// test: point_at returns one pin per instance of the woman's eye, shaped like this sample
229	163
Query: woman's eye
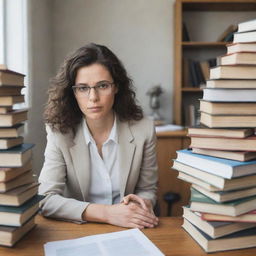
83	89
103	86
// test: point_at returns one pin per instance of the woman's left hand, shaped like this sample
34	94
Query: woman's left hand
144	203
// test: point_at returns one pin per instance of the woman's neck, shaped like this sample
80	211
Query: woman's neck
100	129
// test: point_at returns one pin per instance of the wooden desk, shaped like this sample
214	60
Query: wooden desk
169	237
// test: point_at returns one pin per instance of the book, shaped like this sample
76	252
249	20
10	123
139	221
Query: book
244	37
227	108
17	216
214	180
214	229
247	26
185	34
11	78
233	72
6	143
231	83
222	143
14	117
22	179
228	121
16	156
4	110
223	37
232	155
9	235
226	196
229	133
10	90
11	100
190	179
241	58
201	203
12	132
238	240
241	47
229	95
218	166
7	173
249	217
19	195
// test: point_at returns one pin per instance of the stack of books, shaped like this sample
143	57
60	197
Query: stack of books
19	201
222	163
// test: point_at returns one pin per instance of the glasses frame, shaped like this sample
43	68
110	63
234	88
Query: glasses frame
95	87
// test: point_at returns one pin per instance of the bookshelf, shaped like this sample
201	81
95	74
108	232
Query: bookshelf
201	46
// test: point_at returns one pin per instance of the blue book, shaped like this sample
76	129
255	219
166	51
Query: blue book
218	166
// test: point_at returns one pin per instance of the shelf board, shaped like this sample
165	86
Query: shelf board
204	44
191	89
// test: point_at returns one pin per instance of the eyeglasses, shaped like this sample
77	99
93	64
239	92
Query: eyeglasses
102	88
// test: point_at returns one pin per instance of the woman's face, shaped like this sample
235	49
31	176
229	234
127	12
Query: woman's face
96	104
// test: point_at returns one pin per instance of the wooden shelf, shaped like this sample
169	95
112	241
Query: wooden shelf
191	89
204	44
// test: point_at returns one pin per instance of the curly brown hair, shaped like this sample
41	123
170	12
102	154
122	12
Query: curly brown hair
62	112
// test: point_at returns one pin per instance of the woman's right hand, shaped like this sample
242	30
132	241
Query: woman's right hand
130	216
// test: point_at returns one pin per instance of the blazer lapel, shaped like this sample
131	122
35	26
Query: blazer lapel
80	156
126	151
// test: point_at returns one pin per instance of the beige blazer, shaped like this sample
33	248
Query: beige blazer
65	176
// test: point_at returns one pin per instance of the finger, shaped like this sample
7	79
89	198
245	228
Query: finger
138	200
142	222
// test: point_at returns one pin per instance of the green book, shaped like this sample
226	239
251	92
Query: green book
201	203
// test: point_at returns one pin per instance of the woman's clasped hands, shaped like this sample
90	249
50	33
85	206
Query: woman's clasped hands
132	212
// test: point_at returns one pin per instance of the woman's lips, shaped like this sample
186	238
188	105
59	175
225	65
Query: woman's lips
95	109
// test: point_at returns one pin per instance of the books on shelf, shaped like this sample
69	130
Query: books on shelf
214	229
11	100
202	203
218	166
12	132
227	108
211	132
233	72
247	26
19	195
232	83
4	110
11	235
11	78
215	182
17	216
241	47
233	155
6	143
249	217
227	34
16	156
240	58
228	121
222	143
229	95
245	37
238	240
13	118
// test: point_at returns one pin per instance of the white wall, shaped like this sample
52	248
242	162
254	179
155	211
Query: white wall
139	32
40	68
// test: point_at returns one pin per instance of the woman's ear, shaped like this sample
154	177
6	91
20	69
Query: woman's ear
116	89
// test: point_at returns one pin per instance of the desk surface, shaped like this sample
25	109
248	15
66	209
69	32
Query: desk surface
169	237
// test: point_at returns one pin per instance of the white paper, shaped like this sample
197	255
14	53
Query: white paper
168	127
130	242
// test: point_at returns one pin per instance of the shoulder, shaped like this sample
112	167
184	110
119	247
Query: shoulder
143	128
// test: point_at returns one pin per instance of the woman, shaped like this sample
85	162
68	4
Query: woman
100	161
